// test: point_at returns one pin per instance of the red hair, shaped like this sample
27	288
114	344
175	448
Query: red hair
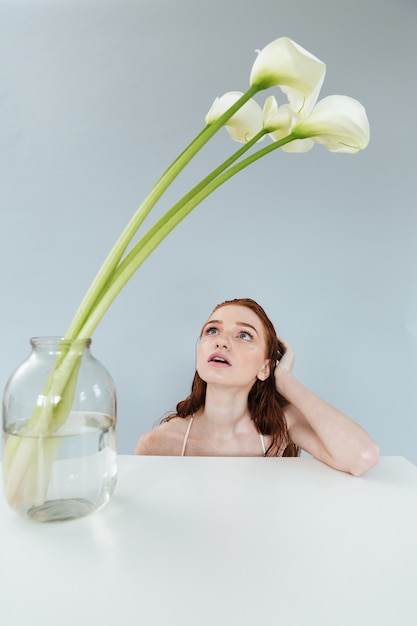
265	404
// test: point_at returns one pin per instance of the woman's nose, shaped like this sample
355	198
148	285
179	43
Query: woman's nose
222	342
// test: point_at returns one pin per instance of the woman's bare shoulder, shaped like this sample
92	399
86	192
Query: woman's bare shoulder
163	440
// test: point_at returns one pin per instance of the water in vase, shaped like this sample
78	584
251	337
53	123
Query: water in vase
67	475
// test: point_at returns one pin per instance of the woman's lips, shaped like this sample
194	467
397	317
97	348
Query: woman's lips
219	360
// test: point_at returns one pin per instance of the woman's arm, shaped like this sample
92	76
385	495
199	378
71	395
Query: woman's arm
319	428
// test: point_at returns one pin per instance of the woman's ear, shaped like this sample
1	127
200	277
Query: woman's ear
264	371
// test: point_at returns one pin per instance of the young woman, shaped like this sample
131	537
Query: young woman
245	401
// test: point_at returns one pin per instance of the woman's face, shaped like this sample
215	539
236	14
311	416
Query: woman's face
232	348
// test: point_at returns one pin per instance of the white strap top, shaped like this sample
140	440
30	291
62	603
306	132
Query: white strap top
184	445
187	432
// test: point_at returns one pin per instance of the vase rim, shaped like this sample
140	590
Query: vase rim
56	339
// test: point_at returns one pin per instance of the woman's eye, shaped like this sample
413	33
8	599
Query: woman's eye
245	335
211	330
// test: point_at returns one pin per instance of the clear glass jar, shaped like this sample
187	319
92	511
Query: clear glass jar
59	432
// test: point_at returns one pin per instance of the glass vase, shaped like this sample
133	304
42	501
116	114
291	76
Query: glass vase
59	432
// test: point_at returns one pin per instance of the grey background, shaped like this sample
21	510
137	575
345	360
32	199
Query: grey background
97	98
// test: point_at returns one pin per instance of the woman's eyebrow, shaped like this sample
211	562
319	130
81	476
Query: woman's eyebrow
213	322
247	325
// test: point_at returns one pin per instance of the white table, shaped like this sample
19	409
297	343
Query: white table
222	541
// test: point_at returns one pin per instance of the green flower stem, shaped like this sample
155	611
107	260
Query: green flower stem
28	462
98	285
169	221
26	477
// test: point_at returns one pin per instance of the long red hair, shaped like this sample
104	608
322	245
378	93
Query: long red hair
265	404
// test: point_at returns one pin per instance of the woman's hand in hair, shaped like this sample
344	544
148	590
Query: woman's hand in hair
285	364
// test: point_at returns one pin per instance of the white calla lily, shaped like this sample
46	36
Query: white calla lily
244	124
339	123
278	121
298	145
296	71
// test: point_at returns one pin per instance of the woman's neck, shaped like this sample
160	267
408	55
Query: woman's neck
225	411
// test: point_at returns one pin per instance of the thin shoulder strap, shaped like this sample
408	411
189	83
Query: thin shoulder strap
184	445
263	443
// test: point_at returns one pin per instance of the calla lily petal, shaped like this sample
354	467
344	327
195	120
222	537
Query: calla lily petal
338	122
244	124
298	145
278	121
298	73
